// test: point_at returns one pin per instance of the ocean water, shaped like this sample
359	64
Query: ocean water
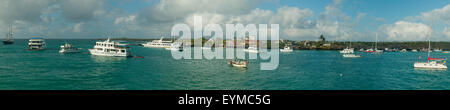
21	69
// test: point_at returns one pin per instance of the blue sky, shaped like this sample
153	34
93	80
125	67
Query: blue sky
341	20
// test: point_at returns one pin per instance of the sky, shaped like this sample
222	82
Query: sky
337	20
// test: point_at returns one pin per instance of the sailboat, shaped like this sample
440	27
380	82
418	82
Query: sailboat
432	63
9	35
376	42
347	50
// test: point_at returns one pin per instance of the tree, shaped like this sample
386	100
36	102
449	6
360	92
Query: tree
322	38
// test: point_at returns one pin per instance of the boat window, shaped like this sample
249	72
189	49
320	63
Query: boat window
123	51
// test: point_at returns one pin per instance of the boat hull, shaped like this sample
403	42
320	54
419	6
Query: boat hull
153	46
251	51
101	53
284	50
6	42
427	65
69	51
240	66
351	56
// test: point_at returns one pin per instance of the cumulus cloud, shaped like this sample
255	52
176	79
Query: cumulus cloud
24	10
81	10
442	14
296	23
131	19
169	10
77	27
446	31
407	31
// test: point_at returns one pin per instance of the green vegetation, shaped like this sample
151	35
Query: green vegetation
337	45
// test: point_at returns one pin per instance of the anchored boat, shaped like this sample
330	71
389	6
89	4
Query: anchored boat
69	48
110	48
9	39
158	43
238	63
433	63
286	49
36	44
177	46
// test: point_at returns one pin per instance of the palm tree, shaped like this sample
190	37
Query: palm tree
322	38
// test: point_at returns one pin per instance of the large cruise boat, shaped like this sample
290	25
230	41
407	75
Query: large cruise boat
36	44
110	48
158	44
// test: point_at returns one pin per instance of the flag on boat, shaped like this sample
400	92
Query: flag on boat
429	58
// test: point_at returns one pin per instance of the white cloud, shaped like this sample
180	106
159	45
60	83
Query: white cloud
406	31
81	10
446	31
437	15
77	27
131	19
169	10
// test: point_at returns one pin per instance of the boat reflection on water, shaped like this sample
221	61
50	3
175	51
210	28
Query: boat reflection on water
107	59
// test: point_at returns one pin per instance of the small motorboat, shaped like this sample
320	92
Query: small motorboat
238	63
69	48
286	49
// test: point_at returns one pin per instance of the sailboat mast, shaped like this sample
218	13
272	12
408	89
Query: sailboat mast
376	41
429	44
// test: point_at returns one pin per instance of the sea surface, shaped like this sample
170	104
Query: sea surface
21	69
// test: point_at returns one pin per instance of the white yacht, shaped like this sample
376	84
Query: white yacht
238	63
158	44
414	50
437	50
251	50
403	50
433	63
69	48
362	50
177	46
36	44
208	45
347	50
109	48
286	49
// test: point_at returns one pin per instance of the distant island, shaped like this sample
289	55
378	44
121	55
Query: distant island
322	44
